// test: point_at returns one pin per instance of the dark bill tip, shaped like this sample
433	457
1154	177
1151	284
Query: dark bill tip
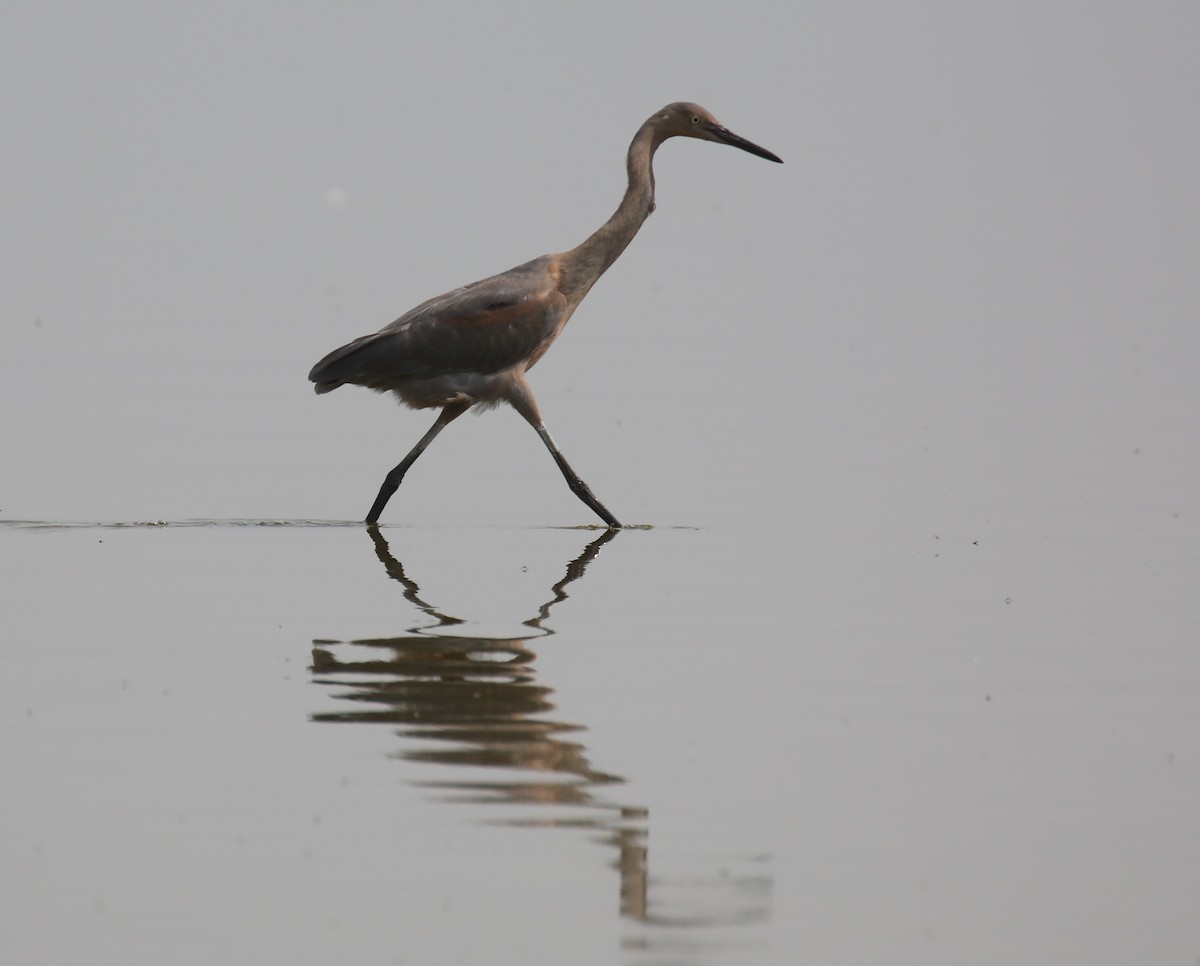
728	137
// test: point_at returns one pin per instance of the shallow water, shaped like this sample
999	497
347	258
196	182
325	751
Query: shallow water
295	740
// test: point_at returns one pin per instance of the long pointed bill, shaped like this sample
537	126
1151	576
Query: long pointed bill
725	136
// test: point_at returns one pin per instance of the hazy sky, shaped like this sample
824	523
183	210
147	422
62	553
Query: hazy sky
988	225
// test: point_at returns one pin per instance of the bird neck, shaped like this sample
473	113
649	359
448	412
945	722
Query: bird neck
587	262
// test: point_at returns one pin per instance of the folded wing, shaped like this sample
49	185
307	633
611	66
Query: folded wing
485	327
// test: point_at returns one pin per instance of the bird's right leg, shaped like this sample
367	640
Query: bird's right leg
391	482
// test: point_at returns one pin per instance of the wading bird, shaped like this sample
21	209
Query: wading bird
472	346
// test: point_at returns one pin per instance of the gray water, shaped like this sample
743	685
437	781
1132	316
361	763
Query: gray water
898	661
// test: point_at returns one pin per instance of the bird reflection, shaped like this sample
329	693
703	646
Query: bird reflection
475	701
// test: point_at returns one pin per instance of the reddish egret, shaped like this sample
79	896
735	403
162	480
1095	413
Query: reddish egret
473	346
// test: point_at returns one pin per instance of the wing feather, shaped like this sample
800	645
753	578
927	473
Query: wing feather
486	327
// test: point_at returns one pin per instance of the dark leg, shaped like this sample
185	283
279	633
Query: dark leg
391	482
578	487
520	397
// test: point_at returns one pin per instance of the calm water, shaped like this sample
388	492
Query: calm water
299	741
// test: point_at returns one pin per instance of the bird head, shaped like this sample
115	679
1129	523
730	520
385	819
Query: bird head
684	119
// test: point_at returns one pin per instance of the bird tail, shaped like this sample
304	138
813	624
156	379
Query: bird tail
349	364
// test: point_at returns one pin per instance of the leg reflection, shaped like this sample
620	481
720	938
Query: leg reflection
476	697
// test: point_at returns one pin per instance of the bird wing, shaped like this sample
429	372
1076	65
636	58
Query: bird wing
485	327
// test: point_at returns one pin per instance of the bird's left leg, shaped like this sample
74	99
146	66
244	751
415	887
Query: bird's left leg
391	482
578	487
521	399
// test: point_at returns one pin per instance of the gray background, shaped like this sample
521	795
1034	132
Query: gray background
914	417
981	247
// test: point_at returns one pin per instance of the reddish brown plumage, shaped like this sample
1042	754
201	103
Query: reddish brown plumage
473	345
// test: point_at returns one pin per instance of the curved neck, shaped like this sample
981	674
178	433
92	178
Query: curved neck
584	264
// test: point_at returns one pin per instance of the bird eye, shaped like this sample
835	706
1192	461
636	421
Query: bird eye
695	120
